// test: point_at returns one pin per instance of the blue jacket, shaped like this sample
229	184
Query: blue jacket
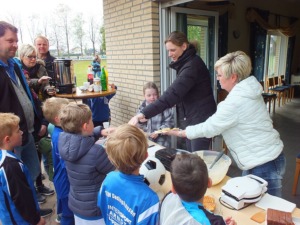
100	107
18	204
126	199
96	66
60	177
87	165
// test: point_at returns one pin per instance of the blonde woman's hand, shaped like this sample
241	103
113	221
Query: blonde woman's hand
177	133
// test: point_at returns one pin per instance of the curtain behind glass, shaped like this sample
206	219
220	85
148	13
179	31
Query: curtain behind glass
289	57
258	46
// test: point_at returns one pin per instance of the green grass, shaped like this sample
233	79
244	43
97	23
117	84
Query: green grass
80	70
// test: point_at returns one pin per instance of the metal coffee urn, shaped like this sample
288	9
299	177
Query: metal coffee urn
64	72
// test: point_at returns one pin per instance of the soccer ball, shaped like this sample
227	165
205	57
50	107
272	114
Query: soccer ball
154	173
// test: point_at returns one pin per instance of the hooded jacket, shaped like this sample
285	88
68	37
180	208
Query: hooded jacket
191	91
87	165
245	124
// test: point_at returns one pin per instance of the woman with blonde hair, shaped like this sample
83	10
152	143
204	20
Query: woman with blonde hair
39	79
244	122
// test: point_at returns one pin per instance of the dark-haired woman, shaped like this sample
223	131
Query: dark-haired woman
191	91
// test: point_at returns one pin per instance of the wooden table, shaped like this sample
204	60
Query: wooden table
83	95
242	217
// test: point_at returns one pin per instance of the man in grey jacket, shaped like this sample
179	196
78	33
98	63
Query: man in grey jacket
15	97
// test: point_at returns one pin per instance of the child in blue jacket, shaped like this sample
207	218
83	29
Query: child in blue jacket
18	203
124	197
100	108
51	109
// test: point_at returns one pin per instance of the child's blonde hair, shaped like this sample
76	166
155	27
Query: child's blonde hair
127	148
52	106
9	122
73	116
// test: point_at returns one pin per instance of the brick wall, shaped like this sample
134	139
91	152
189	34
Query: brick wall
132	49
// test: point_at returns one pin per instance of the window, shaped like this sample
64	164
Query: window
276	54
197	32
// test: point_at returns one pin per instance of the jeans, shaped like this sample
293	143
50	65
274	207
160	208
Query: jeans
28	154
272	172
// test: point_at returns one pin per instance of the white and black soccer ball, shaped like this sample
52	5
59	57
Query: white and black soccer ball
154	173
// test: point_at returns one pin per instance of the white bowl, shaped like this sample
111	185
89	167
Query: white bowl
219	170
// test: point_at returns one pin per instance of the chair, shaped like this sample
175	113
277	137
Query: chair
269	97
280	91
291	88
279	82
296	176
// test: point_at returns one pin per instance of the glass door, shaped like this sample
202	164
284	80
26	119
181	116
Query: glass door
201	28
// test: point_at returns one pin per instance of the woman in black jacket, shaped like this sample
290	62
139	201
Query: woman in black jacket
191	91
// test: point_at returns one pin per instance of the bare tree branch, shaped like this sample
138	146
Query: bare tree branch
63	13
78	27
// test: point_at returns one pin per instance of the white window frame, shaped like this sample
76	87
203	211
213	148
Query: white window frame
283	54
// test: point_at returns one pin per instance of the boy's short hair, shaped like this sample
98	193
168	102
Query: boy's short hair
73	116
189	176
9	122
52	106
127	148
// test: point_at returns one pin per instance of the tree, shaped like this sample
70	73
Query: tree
103	41
78	24
93	27
33	26
45	25
56	35
16	20
63	14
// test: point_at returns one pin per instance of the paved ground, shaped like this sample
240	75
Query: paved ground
50	203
